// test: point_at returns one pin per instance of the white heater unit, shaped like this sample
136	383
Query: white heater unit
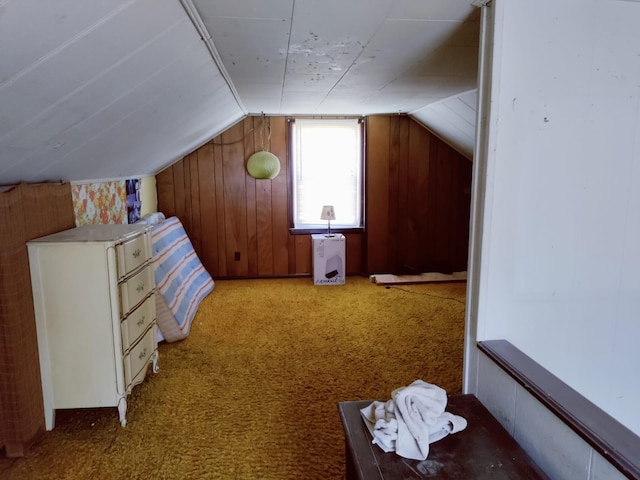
328	259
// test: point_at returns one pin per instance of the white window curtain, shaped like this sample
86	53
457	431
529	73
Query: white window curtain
327	170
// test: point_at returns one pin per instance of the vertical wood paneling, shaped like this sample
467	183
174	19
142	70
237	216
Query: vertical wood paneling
420	151
250	185
432	204
376	193
220	206
264	221
353	252
443	214
423	227
26	212
417	193
279	199
396	216
178	190
195	234
464	205
406	235
166	197
186	178
302	253
265	228
461	186
235	225
208	211
454	206
417	166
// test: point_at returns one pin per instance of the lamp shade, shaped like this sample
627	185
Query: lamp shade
328	213
263	165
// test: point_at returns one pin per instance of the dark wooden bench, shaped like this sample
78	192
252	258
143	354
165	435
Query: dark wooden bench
484	450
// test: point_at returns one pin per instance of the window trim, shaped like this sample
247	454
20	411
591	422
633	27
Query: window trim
343	230
290	174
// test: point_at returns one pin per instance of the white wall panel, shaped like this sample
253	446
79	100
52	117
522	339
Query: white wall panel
443	11
498	392
555	448
454	120
551	443
87	87
561	223
129	88
600	469
31	31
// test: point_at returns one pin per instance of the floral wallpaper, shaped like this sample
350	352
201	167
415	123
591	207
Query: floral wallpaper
104	202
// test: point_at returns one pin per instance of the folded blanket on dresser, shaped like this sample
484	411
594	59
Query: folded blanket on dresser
181	279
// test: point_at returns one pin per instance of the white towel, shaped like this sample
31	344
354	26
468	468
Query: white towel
381	421
414	418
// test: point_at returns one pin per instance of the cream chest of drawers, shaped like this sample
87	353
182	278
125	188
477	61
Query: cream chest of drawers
93	292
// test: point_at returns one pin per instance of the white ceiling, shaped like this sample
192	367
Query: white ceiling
121	88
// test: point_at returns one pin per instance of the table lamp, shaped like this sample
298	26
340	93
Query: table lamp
328	213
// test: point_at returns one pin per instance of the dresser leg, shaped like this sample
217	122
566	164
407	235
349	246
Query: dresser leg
122	409
154	360
50	418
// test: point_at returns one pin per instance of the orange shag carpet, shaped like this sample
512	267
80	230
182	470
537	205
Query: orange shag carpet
252	393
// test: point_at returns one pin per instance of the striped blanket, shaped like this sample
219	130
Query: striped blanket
180	278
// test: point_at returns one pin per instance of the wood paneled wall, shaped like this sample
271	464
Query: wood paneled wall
417	197
228	214
27	211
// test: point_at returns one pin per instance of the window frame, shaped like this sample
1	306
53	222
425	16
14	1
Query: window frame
292	183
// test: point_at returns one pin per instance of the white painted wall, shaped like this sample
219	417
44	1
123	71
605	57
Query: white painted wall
559	272
148	196
453	119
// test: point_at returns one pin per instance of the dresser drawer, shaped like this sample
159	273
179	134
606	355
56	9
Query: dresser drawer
135	288
131	254
138	359
137	322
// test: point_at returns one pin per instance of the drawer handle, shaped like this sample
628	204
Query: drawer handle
143	354
141	321
140	288
136	253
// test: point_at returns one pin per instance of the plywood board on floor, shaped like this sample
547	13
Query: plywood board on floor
387	278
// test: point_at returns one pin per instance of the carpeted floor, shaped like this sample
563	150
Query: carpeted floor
252	392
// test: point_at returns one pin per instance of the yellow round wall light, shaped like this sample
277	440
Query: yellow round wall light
263	165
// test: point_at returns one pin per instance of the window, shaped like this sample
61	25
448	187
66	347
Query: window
326	170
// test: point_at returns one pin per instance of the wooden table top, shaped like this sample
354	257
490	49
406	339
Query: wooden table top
484	450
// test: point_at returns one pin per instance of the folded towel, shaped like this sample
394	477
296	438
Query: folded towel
381	419
414	418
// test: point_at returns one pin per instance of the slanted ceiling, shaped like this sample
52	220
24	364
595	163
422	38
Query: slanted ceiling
122	88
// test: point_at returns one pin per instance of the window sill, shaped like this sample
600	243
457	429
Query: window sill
309	231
